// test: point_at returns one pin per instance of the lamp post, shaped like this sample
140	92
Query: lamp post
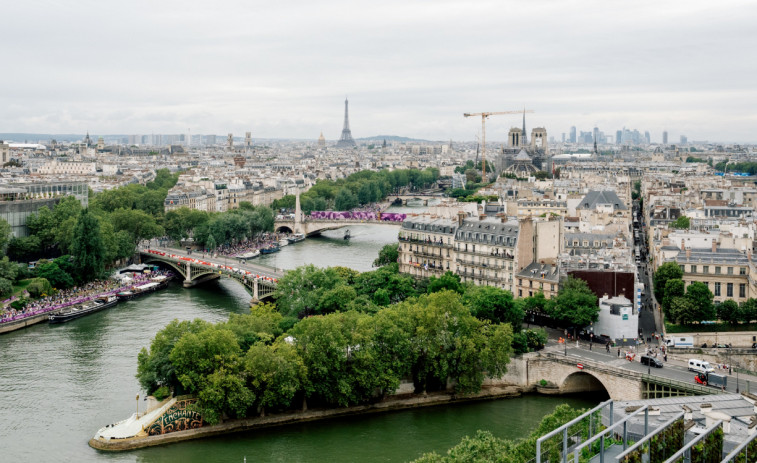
137	406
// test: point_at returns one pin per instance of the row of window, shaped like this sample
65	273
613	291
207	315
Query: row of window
718	269
717	289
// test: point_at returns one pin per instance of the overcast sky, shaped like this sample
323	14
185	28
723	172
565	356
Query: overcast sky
283	68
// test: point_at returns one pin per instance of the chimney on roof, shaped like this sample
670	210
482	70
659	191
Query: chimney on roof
482	217
460	218
714	245
688	253
683	244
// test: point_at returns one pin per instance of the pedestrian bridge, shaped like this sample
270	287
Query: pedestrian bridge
260	285
568	374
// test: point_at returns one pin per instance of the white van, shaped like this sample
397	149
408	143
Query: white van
700	366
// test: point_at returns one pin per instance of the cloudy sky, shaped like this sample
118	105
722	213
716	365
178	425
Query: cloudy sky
283	68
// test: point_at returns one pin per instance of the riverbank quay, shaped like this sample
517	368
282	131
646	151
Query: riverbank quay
23	320
395	403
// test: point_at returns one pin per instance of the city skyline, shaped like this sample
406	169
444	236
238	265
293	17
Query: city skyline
408	69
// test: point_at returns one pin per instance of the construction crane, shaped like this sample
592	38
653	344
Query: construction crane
483	133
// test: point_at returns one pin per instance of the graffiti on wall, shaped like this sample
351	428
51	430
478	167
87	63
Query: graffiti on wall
178	417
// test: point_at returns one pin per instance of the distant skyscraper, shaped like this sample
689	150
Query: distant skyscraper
618	137
346	141
210	140
563	137
573	134
647	137
596	134
665	137
684	140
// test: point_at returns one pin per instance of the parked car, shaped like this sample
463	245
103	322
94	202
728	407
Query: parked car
651	361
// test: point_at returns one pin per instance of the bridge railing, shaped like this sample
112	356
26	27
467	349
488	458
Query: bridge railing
213	267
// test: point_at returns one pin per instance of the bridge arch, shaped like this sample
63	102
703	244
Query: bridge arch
166	264
284	229
581	381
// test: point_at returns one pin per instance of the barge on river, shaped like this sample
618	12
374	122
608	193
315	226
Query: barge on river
85	308
155	283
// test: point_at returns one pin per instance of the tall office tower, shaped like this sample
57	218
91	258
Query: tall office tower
189	138
248	140
230	141
684	139
618	137
647	137
563	137
346	140
665	137
573	134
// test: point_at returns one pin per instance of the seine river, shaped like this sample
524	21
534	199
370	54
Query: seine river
60	383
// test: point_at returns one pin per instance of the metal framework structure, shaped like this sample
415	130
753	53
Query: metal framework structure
346	140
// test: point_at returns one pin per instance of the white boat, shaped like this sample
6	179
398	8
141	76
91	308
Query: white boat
296	238
249	255
283	242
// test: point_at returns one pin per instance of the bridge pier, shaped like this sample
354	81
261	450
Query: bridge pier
201	279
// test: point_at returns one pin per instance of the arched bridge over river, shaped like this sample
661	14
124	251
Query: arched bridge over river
570	374
258	281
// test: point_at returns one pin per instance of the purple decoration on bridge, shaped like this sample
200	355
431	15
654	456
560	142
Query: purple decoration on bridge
357	215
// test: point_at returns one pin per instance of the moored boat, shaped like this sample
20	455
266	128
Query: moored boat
270	249
296	238
85	308
155	283
249	255
347	234
283	242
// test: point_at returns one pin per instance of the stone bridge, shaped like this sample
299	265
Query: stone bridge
259	285
424	197
565	376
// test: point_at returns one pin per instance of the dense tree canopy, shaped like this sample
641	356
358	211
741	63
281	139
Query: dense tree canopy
575	304
666	271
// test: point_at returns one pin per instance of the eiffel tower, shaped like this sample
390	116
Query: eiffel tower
346	140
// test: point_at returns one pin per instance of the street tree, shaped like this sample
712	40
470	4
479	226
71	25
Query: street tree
666	271
728	311
673	288
575	304
387	255
448	280
494	304
701	297
88	250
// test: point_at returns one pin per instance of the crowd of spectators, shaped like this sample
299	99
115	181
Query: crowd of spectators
66	297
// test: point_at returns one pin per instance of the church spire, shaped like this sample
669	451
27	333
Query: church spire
524	139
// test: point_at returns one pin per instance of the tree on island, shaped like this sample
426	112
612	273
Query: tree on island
387	255
88	250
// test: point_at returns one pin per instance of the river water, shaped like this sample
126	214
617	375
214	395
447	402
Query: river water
60	383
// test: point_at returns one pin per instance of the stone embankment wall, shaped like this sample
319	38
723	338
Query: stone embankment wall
741	358
737	339
488	392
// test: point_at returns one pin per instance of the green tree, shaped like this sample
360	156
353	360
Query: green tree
276	374
8	270
39	287
494	304
88	249
24	248
262	324
345	200
728	311
336	299
574	304
6	288
299	291
52	272
138	223
535	303
748	310
388	254
673	288
154	366
448	280
5	235
197	355
398	286
682	310
681	222
666	271
701	297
